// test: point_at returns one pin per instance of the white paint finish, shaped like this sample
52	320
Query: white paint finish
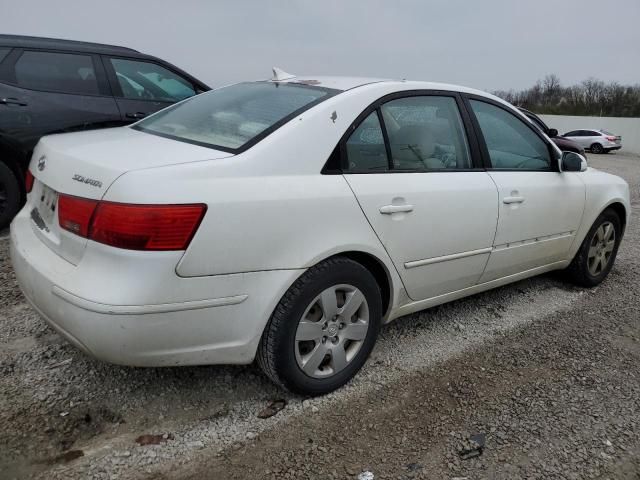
274	222
453	213
145	309
217	334
552	204
628	128
270	216
446	258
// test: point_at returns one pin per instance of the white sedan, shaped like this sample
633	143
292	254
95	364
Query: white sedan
287	220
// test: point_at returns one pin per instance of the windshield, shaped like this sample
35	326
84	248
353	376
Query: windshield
236	117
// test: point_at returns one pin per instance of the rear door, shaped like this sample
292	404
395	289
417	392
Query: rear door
410	165
46	92
143	87
540	206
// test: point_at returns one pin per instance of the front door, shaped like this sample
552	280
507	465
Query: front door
540	206
433	211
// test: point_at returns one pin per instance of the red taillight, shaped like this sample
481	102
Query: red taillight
611	138
28	181
74	214
134	227
146	227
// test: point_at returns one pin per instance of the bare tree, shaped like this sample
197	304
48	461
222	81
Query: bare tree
590	97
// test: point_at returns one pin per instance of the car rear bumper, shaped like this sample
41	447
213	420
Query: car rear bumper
172	324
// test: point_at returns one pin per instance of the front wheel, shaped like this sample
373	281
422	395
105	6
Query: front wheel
597	148
324	328
596	255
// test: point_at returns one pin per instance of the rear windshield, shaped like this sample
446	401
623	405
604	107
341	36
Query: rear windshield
236	117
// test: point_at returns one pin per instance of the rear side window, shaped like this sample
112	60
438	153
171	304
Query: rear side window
57	72
235	117
512	145
365	147
3	53
425	133
149	81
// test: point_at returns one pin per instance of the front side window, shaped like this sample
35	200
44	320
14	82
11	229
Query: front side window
140	80
511	143
425	133
365	147
57	72
574	133
233	117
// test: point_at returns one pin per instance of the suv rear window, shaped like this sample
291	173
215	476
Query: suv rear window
234	118
57	72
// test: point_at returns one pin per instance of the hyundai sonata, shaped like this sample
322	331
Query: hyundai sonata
287	220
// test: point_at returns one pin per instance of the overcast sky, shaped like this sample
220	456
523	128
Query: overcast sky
489	44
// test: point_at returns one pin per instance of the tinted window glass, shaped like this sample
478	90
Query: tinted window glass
365	147
425	133
3	53
232	116
574	133
58	72
511	143
591	133
148	81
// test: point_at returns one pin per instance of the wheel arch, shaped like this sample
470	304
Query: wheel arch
378	269
8	157
621	210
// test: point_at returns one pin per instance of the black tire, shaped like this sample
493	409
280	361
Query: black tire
276	352
578	271
597	148
10	196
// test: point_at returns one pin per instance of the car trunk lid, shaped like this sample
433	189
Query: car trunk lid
85	165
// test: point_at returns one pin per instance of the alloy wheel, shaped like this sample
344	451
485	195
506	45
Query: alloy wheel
331	331
601	248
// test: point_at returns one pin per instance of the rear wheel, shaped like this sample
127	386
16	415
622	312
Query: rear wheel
597	148
9	195
323	329
596	255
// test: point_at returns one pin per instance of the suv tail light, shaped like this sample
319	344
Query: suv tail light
611	138
133	227
28	181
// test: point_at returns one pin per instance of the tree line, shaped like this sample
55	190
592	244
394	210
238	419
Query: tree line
591	97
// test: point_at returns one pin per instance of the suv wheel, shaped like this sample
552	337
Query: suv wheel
324	328
9	195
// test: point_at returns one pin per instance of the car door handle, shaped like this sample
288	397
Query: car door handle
136	115
514	199
389	209
12	101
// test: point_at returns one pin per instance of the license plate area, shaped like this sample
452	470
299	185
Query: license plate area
47	205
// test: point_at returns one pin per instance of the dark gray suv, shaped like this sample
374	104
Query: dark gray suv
54	86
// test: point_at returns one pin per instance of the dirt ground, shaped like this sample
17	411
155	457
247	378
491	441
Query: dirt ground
546	376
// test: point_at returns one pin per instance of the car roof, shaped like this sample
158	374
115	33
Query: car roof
348	83
24	41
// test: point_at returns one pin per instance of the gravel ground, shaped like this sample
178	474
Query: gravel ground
548	373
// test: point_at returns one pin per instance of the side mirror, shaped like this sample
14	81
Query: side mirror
573	162
552	132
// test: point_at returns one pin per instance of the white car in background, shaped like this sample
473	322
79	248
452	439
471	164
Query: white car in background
289	219
597	141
